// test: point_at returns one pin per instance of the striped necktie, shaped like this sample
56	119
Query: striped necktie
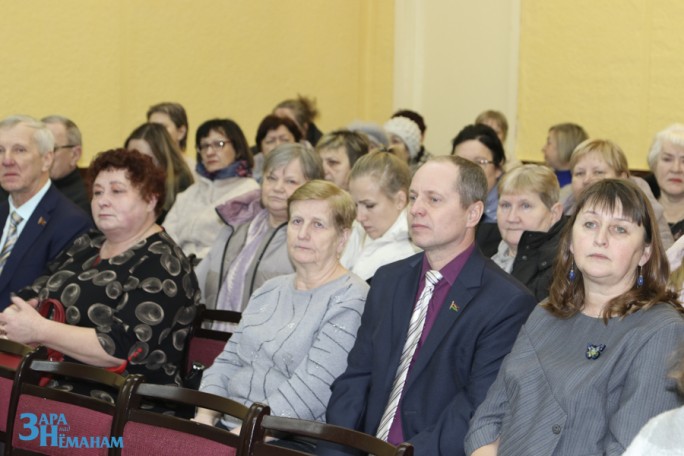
415	330
15	220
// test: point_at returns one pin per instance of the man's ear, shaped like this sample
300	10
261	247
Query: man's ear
76	153
47	158
474	214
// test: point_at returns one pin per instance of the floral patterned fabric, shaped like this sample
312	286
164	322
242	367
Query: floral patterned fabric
141	303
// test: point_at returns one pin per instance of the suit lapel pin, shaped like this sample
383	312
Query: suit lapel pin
454	307
42	221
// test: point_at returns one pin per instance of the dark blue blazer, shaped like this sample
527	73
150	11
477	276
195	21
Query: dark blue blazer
456	365
52	226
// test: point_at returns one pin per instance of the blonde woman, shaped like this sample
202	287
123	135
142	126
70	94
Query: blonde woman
379	186
597	159
530	220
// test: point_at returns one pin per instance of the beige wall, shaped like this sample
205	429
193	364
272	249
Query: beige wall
454	59
104	63
616	67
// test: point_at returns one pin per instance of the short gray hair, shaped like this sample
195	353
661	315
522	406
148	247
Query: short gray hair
72	131
42	135
673	134
471	184
311	163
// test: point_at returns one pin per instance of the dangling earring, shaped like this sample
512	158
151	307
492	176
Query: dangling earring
571	274
640	278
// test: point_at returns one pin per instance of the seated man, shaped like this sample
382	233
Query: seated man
64	172
38	220
436	325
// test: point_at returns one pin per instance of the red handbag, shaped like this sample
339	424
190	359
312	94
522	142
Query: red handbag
53	310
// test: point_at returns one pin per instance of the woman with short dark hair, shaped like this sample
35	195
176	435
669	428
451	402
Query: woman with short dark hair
224	169
128	290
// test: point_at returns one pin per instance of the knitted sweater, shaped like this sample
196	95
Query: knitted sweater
289	346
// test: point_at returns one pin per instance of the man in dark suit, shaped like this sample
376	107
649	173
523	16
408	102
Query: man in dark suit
38	220
427	393
64	172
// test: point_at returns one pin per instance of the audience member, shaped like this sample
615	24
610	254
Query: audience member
423	155
560	142
530	220
418	374
589	367
379	186
64	172
173	117
496	120
272	132
303	111
597	159
479	144
374	133
404	138
293	339
224	165
666	160
38	220
339	150
251	248
153	140
128	290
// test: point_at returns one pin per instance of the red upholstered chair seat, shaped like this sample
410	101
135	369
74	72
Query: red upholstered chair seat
145	440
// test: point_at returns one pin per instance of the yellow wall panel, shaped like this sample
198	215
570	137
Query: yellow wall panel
104	63
615	67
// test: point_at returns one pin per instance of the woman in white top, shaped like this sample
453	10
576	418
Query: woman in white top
224	170
379	185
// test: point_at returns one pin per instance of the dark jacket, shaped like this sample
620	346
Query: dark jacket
533	264
455	366
72	187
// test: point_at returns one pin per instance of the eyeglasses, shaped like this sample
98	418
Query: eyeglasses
216	145
66	146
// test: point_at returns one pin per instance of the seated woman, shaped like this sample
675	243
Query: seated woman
589	368
479	144
251	249
596	159
666	160
224	165
303	112
154	140
560	142
530	220
272	132
423	155
293	339
405	138
339	150
129	292
379	186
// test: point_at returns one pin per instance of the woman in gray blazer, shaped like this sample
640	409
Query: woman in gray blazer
589	368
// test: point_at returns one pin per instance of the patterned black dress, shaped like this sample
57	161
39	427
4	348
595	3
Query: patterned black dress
140	303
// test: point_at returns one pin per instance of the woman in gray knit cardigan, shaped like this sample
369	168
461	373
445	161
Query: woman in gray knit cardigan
293	339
